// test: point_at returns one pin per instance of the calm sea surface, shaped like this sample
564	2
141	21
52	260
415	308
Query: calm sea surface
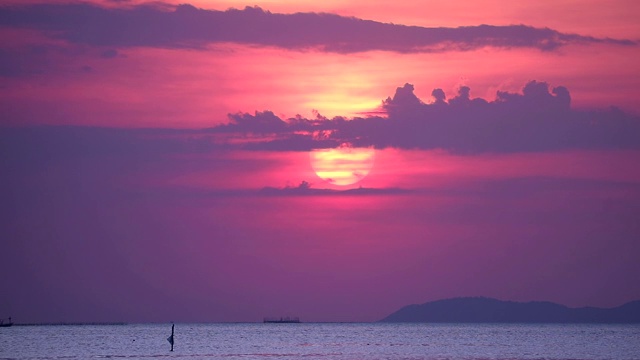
322	341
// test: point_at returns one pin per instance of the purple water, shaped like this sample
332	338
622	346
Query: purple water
323	341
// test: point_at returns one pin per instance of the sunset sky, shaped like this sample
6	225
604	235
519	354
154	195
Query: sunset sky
227	161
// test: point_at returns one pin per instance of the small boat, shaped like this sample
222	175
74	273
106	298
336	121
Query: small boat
4	323
282	320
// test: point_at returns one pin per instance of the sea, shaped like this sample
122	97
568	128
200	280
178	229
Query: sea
323	341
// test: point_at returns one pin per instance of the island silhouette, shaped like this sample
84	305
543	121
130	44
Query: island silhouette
488	310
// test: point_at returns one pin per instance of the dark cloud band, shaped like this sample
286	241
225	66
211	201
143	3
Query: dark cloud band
186	26
538	119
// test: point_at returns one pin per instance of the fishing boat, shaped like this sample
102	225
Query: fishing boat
5	322
282	320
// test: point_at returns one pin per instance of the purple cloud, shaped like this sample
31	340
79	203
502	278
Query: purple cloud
162	25
538	119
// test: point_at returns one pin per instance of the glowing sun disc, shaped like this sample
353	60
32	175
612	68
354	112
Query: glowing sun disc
342	166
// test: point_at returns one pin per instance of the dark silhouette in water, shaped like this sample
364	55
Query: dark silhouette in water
170	338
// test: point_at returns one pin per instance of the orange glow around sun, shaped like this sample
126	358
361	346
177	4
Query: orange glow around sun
342	166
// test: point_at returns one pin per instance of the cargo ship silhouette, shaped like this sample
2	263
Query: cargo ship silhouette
281	320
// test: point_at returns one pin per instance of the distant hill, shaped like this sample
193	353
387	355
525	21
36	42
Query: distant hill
487	310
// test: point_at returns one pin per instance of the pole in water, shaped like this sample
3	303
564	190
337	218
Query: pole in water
170	338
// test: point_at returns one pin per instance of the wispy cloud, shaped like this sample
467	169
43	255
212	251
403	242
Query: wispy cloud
161	25
306	189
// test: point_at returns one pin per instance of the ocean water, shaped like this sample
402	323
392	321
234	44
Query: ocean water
323	341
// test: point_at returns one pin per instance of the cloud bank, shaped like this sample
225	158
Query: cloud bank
538	119
161	25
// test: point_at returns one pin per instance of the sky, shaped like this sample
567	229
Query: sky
224	161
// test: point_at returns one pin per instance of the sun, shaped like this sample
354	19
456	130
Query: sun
342	166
